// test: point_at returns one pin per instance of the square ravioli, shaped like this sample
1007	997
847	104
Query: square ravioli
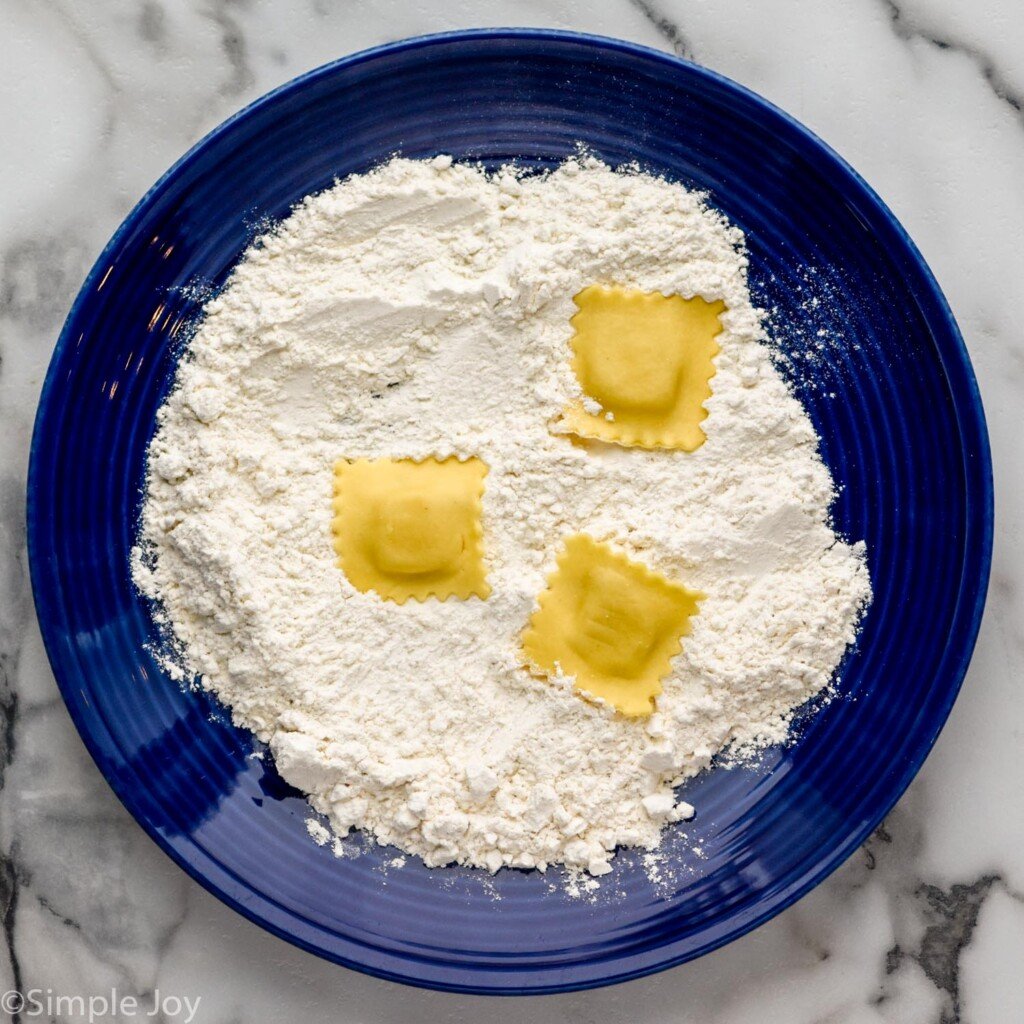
611	623
405	529
644	361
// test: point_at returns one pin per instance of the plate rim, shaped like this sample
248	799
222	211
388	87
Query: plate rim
42	566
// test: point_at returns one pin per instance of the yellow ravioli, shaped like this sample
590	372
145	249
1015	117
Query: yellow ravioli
410	529
611	623
647	360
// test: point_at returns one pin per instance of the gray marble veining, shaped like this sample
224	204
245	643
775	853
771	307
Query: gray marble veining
924	925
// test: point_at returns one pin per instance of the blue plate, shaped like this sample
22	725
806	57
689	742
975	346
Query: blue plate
891	393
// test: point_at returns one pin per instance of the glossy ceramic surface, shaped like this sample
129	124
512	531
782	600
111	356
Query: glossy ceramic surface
888	385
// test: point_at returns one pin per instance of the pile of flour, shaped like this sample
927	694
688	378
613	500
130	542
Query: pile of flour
423	309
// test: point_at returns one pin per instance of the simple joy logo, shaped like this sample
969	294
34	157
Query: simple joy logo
47	1004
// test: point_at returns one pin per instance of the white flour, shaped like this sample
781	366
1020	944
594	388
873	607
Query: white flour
422	310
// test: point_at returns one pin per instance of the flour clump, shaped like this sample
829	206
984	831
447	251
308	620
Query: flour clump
422	311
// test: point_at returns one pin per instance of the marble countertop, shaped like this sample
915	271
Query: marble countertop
925	925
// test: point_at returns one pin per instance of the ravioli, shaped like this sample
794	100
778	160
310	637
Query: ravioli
645	361
609	622
406	529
